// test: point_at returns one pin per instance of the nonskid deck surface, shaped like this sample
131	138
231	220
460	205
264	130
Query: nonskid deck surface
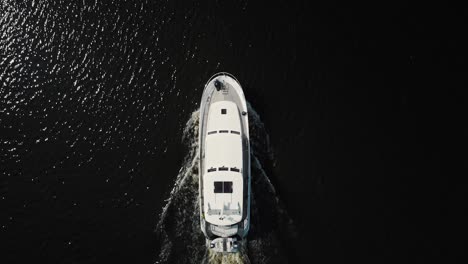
211	96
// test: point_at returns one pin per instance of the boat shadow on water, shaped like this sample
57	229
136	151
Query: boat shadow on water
272	231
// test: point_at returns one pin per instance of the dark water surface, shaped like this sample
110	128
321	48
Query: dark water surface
95	97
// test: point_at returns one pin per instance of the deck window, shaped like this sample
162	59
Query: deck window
235	169
212	132
227	187
223	168
223	187
218	187
235	132
211	169
224	131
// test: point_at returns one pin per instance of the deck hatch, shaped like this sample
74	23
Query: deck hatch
227	187
223	187
223	111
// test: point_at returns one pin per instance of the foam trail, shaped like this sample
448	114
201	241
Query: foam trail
178	231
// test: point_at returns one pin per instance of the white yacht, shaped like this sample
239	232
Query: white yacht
224	187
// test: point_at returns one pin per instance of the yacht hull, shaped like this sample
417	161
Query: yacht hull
224	167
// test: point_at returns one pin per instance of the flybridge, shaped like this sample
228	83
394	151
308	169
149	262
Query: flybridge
224	187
